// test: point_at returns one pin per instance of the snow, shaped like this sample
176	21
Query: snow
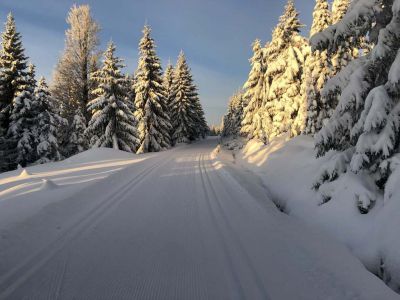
351	208
48	184
24	173
177	224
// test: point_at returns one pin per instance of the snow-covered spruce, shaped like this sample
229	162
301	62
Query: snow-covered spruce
317	70
233	119
129	91
13	66
186	112
112	123
366	120
344	52
150	104
13	75
48	124
285	56
168	78
202	127
22	132
253	95
76	141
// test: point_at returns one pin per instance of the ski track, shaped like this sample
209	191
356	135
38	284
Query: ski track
235	239
11	280
182	227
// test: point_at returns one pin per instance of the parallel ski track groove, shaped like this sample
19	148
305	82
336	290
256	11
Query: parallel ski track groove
225	248
14	278
235	237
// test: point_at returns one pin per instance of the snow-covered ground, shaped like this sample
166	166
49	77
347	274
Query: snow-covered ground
173	225
288	169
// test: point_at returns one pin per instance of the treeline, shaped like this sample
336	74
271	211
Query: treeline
341	86
92	103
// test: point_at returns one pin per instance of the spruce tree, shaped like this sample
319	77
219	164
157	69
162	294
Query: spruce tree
48	124
285	57
13	70
112	124
344	52
168	88
254	93
339	9
364	128
317	71
129	87
74	138
22	132
12	63
202	128
183	109
232	120
151	110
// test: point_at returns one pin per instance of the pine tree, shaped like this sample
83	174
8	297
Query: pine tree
71	83
285	57
22	132
48	125
364	128
253	93
112	124
233	119
150	104
317	71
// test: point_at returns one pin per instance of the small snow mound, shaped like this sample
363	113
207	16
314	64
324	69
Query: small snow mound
24	173
48	184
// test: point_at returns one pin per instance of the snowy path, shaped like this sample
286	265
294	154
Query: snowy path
173	225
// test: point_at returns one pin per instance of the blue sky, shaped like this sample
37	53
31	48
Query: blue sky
215	35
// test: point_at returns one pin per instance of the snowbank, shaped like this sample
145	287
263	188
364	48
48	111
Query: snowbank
23	192
289	169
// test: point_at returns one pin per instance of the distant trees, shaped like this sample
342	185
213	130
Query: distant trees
232	120
92	105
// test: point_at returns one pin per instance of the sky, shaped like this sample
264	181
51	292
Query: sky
216	35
